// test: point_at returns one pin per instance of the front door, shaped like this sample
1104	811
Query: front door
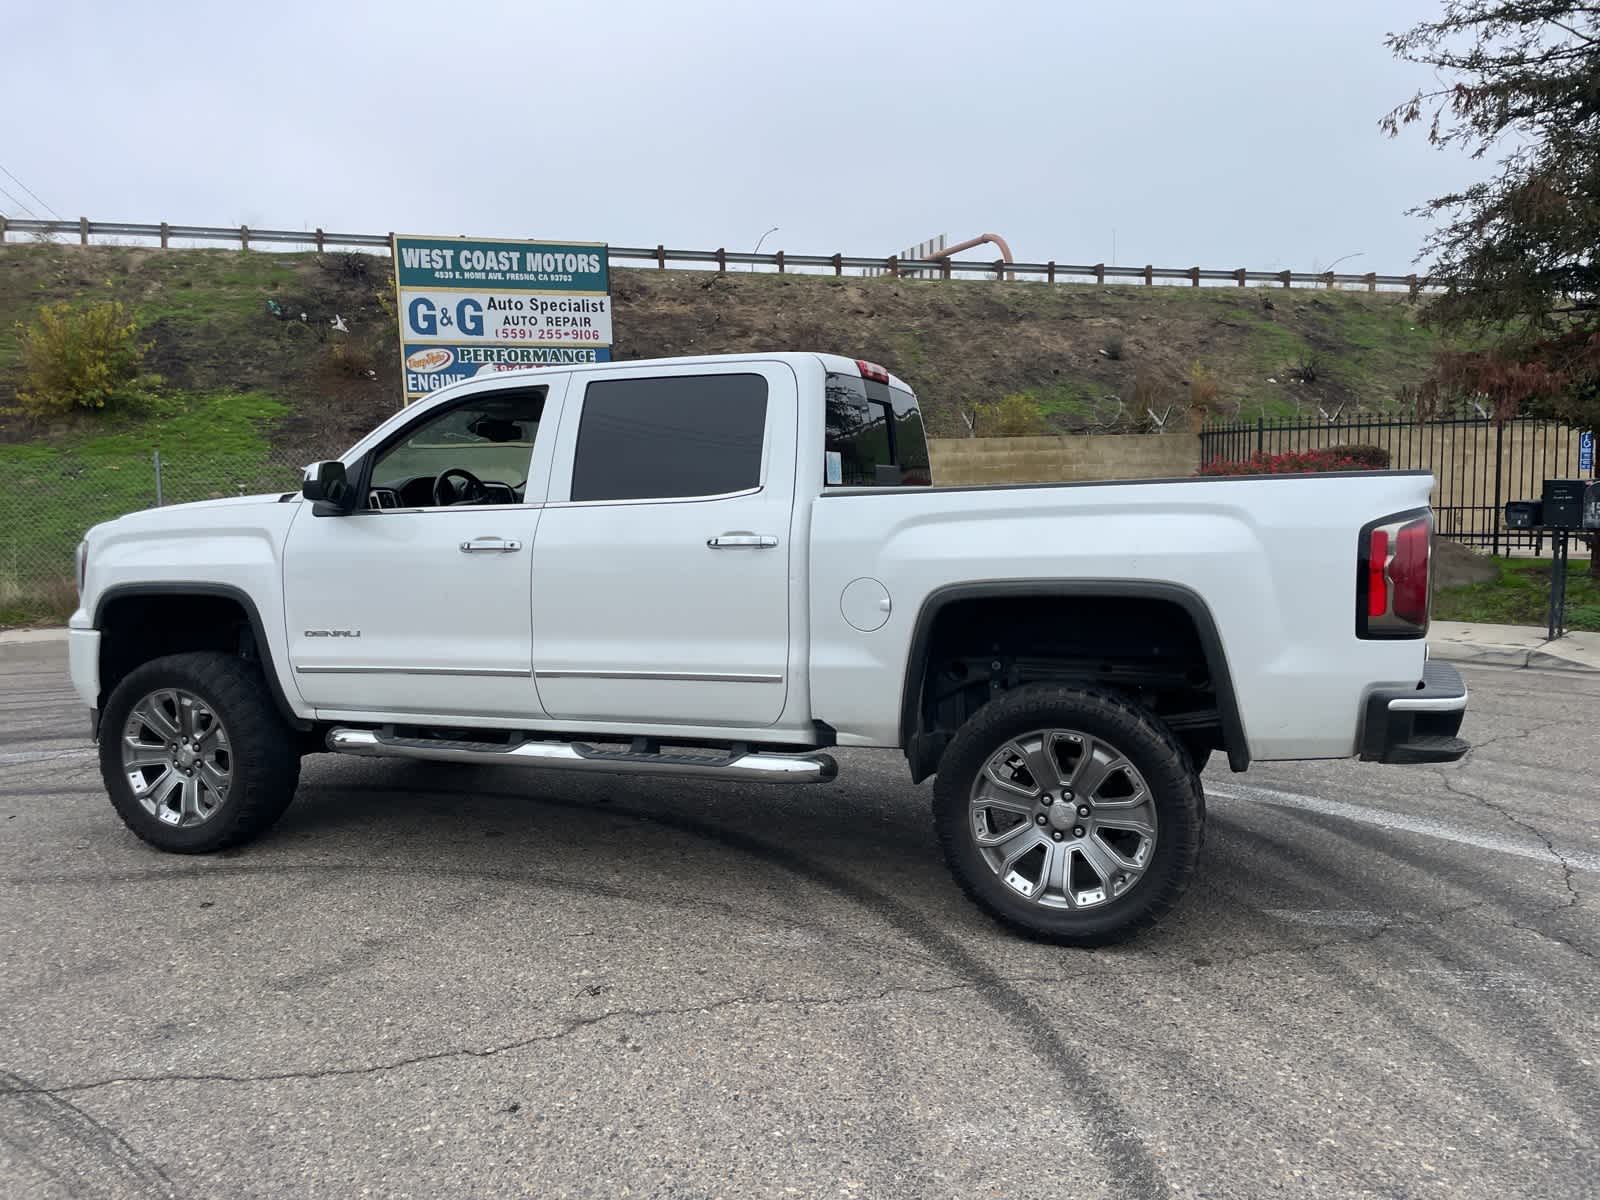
662	564
419	602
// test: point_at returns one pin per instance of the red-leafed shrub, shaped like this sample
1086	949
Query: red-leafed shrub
1375	457
1291	462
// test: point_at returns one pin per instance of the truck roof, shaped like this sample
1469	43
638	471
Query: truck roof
830	362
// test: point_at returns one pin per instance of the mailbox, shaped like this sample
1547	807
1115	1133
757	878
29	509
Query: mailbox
1563	503
1591	505
1524	514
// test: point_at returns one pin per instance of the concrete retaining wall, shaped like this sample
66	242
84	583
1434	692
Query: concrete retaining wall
1064	459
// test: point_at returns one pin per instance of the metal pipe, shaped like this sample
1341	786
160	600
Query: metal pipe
578	756
993	239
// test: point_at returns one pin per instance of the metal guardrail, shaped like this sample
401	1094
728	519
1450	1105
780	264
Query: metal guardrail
661	256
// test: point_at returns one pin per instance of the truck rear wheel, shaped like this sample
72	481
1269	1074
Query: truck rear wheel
194	755
1070	814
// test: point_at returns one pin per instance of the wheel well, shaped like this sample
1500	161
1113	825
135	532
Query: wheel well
137	626
1155	645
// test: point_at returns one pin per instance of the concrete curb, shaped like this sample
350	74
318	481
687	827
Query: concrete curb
25	637
1541	661
1489	655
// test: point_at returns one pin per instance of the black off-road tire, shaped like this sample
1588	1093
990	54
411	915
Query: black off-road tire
1145	742
265	751
1199	752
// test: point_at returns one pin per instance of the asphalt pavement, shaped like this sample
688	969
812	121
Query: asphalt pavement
439	981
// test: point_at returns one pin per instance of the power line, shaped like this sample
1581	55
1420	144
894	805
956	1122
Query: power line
30	192
18	203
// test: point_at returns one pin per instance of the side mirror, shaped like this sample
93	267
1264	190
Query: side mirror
327	485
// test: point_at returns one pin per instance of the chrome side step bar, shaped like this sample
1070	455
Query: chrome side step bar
760	767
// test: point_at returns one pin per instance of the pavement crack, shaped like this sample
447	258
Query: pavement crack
1568	876
1402	921
1517	735
566	1029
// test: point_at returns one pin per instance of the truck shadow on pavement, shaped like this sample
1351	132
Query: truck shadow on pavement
802	854
872	845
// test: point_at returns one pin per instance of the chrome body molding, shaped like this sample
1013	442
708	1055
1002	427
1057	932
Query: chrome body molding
353	669
690	676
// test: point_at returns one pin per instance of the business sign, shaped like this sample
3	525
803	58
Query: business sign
469	307
1586	451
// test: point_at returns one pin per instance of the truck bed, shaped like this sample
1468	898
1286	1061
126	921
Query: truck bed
1271	559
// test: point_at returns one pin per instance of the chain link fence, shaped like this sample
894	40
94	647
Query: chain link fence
50	496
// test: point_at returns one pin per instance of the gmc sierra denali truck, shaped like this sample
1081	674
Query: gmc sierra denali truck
723	566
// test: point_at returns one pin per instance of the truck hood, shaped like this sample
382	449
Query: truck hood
199	514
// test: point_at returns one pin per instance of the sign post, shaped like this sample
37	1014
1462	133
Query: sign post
470	307
1586	451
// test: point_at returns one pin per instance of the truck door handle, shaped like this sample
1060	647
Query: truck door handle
742	541
490	545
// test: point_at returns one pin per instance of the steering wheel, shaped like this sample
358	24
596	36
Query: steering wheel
470	490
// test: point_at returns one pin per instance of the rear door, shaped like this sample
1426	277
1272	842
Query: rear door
662	560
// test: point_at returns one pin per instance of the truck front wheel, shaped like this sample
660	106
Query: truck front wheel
194	755
1070	814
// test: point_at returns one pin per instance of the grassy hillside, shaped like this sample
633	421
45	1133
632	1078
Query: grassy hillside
257	380
228	322
206	316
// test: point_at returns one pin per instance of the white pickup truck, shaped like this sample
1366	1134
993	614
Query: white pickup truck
723	566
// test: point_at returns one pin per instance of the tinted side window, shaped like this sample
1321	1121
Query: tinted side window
910	439
695	435
876	432
857	430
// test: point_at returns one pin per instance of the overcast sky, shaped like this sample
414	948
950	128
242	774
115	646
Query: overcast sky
1220	133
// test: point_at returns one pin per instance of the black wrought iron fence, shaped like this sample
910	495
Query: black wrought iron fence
1478	464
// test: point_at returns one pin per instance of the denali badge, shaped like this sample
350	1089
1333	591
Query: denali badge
333	633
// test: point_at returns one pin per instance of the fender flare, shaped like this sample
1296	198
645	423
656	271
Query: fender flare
1233	734
221	591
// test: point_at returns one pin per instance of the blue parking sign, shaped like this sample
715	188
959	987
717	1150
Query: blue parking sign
1586	451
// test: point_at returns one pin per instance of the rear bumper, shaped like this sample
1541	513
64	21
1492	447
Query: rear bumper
1417	725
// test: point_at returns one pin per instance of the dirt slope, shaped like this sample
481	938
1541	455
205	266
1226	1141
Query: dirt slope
1089	357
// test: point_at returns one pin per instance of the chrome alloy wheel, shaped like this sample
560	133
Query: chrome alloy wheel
177	758
1063	819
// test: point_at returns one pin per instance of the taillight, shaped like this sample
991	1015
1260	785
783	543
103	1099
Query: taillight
872	371
1392	578
1378	573
1409	573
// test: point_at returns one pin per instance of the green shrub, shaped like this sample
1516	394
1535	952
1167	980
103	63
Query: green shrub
1148	391
1016	415
1205	389
86	356
349	359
